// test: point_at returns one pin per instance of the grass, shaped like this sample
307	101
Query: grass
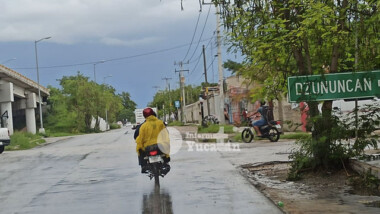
214	128
24	140
237	137
296	135
175	123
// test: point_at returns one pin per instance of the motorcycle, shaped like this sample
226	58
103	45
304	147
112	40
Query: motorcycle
271	131
156	164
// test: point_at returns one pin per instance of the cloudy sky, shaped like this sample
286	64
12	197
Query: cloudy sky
139	41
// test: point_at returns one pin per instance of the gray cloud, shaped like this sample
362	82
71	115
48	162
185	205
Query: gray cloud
109	22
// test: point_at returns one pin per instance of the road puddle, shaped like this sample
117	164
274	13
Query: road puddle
157	201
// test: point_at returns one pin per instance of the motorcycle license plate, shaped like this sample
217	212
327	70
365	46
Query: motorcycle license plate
278	126
154	159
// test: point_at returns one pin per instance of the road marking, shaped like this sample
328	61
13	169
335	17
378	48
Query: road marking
378	83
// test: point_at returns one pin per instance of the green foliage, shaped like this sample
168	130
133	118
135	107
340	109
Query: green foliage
79	101
129	107
176	123
300	37
232	66
115	126
303	37
24	140
334	146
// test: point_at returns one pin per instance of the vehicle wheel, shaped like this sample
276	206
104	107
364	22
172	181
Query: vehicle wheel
1	149
273	134
247	136
156	174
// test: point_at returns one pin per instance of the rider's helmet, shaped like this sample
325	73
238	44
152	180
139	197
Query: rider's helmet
148	112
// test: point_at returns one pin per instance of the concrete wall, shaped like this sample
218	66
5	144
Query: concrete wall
193	111
103	126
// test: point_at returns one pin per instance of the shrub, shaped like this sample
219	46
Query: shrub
331	147
115	126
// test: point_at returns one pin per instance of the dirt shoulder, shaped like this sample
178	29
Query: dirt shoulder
315	193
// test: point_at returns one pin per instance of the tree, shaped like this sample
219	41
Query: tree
128	108
74	107
281	38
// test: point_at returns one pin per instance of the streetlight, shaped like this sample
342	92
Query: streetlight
101	61
42	130
8	61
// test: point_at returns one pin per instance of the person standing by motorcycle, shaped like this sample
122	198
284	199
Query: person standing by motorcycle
152	131
263	120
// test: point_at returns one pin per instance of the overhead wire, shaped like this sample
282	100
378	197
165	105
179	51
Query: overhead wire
111	59
200	37
192	39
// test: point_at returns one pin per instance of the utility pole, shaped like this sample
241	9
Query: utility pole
170	98
205	69
182	85
220	67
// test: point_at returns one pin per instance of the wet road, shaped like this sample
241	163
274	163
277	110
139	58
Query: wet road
98	173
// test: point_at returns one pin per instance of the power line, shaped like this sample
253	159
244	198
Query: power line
200	37
192	39
199	57
112	59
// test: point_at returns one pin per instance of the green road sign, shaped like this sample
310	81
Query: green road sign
334	86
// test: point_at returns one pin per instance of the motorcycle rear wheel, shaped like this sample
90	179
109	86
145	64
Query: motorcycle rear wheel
156	174
273	134
247	135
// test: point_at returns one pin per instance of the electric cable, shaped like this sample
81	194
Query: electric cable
112	59
192	39
200	37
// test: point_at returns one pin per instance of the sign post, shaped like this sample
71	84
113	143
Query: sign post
351	85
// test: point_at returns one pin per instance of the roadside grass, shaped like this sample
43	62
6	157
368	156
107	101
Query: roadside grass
237	137
50	133
295	135
24	140
176	123
214	128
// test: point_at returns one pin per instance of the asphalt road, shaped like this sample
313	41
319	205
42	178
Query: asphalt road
99	173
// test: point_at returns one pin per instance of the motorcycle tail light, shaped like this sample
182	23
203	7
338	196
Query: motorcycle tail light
278	122
153	153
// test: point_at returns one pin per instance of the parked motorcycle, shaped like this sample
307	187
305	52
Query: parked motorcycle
271	131
156	165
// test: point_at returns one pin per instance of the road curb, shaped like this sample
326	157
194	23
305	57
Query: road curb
56	140
363	168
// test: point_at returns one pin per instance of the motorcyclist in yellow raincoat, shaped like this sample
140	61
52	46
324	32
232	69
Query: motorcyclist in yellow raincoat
152	131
